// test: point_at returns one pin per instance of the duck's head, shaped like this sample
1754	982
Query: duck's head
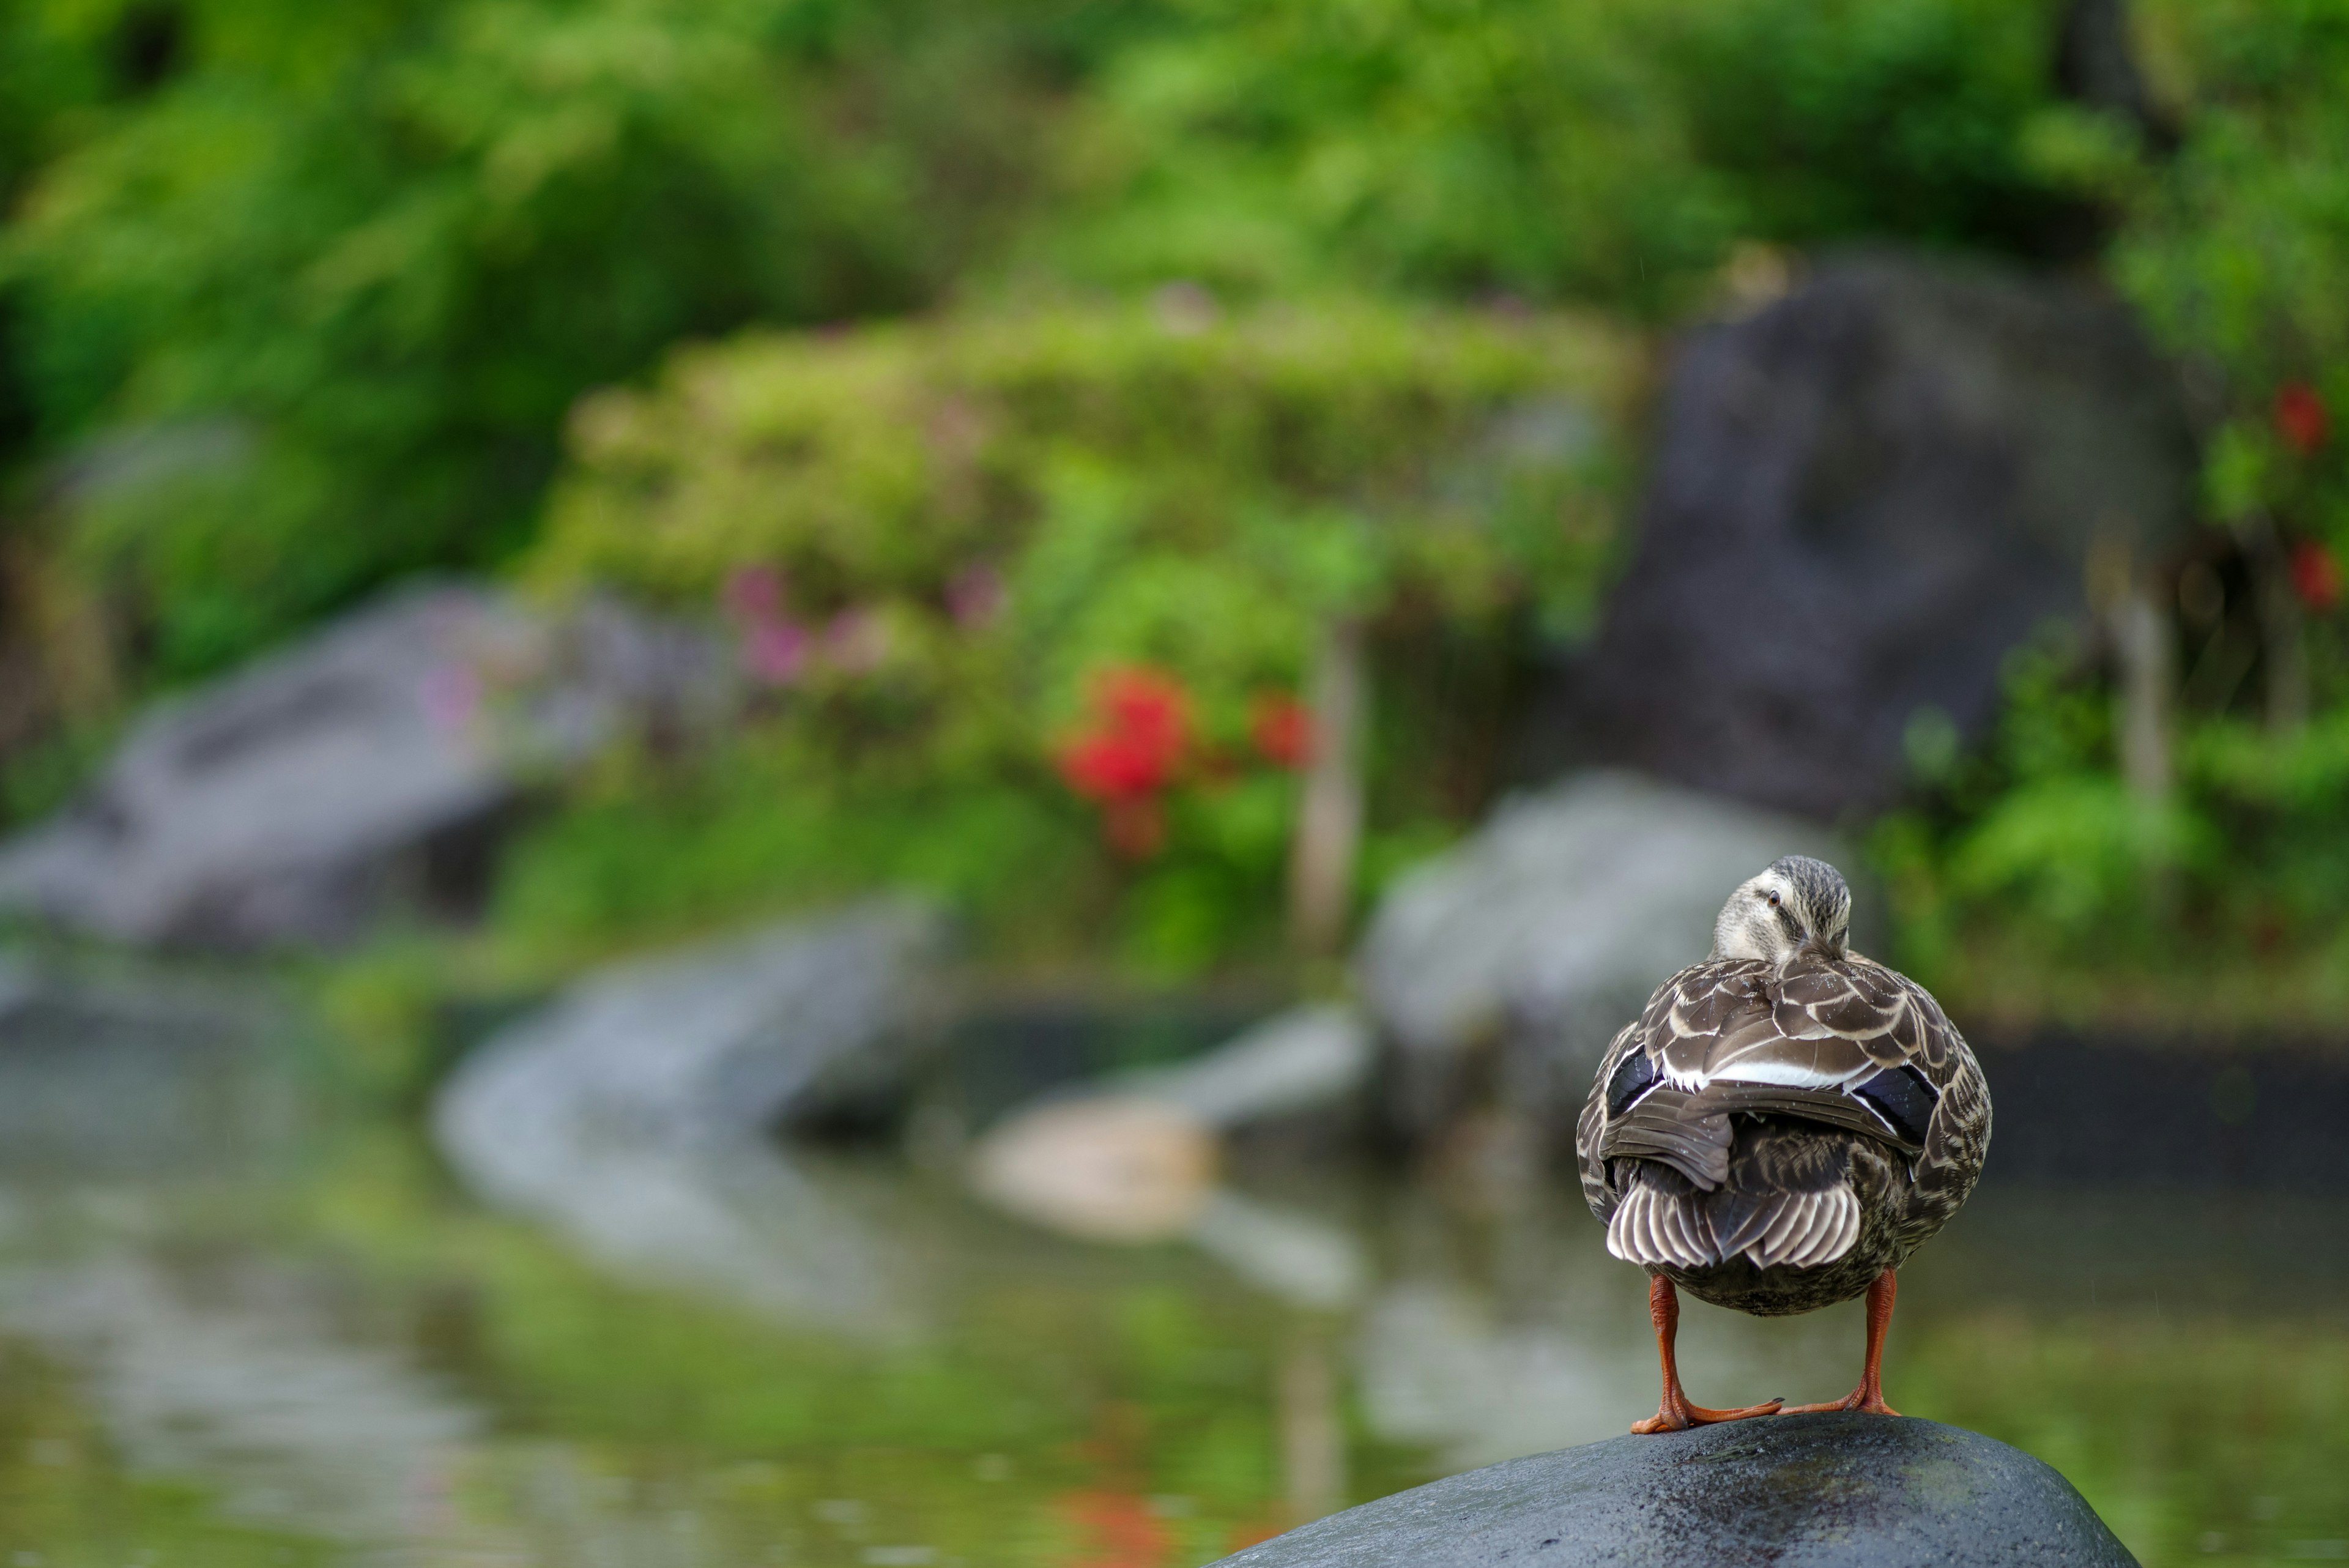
1797	904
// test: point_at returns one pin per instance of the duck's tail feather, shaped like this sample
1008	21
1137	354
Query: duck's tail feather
1695	1230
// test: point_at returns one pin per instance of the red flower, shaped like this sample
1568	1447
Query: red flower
1141	727
1111	767
1282	729
2300	417
1150	709
2316	576
1138	737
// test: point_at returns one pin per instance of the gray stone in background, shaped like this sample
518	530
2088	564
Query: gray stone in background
1545	933
367	766
1860	499
1306	1059
715	1042
1796	1492
634	1114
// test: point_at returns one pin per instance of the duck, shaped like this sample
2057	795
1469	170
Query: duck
1781	1128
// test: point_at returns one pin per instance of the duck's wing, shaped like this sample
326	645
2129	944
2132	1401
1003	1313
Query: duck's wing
1833	1023
1641	1105
1847	1042
1592	1124
1957	1134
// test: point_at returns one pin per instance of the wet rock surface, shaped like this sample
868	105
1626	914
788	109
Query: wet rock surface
1861	498
1796	1492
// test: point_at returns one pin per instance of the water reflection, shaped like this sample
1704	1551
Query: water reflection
284	1340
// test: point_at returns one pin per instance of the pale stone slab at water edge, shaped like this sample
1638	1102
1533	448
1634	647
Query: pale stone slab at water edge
1796	1491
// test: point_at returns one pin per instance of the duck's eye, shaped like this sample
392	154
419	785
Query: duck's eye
1774	901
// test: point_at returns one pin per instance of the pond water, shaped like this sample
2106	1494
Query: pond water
234	1332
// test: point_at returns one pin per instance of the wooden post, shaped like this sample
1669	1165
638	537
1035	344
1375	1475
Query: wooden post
2281	641
2138	624
2148	676
1329	819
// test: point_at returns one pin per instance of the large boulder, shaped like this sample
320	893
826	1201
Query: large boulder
365	767
1861	498
1505	966
1798	1491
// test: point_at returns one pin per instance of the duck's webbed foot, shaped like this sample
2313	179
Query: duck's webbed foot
1867	1397
1869	1394
1675	1414
1673	1411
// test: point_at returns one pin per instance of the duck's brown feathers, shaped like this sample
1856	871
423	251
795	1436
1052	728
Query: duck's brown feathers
1773	1138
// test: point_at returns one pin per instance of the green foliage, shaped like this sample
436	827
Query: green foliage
1915	119
2233	247
759	827
2236	251
2030	878
372	252
1610	151
953	530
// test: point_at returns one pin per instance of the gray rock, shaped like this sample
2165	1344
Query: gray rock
710	1042
1861	499
1798	1491
633	1114
1306	1059
365	767
1543	934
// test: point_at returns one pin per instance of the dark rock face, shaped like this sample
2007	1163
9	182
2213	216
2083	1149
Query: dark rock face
1862	497
1798	1491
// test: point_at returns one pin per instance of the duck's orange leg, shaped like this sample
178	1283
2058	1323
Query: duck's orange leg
1869	1394
1673	1412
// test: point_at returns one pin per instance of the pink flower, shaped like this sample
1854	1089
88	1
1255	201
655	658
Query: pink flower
975	596
776	652
450	696
754	594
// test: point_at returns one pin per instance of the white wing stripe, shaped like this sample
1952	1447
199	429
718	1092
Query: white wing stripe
1794	1075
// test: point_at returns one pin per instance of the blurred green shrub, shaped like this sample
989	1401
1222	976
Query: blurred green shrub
2029	881
304	292
2236	248
1611	152
934	542
2030	877
327	278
